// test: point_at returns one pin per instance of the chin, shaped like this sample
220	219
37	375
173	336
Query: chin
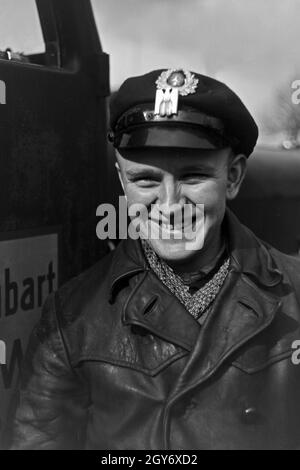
173	251
175	246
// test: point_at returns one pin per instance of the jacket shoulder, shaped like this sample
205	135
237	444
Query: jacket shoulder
289	266
74	295
286	263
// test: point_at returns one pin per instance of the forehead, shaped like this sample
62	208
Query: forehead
172	159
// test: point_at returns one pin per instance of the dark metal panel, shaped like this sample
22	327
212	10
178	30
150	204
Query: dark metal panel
53	137
53	156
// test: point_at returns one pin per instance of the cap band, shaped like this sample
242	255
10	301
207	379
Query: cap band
128	129
142	115
170	137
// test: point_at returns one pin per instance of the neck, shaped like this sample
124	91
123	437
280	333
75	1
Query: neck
202	258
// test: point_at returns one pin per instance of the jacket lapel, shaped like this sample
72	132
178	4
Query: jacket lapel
245	306
152	306
240	312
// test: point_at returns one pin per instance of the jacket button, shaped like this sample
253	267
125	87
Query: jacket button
250	415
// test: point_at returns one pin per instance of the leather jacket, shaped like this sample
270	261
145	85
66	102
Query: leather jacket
117	362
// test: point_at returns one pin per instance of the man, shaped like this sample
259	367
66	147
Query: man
171	342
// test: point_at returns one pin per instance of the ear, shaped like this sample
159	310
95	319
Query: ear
120	176
237	167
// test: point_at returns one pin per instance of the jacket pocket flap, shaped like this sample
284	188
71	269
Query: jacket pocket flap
145	353
250	366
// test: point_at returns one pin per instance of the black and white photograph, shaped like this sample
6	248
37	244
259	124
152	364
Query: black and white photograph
149	227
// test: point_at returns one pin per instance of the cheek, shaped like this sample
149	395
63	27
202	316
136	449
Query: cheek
136	195
211	193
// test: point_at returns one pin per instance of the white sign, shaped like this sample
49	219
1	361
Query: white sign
28	274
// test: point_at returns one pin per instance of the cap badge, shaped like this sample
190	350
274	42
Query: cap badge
170	84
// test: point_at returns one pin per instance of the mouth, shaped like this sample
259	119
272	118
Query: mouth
180	228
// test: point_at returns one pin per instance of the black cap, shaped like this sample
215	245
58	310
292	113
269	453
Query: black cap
177	108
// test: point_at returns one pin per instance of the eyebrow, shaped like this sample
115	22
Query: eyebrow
196	168
155	173
143	171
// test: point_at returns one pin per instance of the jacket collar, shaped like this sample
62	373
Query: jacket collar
246	305
128	260
248	256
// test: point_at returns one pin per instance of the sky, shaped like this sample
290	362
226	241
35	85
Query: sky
252	45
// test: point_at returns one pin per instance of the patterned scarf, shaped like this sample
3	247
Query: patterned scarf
197	303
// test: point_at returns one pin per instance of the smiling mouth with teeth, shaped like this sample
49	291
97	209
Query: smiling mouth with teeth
172	227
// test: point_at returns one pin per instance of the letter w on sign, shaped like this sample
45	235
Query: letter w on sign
2	92
2	353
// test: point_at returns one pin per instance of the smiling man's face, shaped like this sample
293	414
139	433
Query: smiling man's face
162	179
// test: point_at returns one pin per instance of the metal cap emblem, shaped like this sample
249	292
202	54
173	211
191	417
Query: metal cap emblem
170	84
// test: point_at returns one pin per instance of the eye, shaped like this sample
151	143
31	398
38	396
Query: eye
146	181
193	178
